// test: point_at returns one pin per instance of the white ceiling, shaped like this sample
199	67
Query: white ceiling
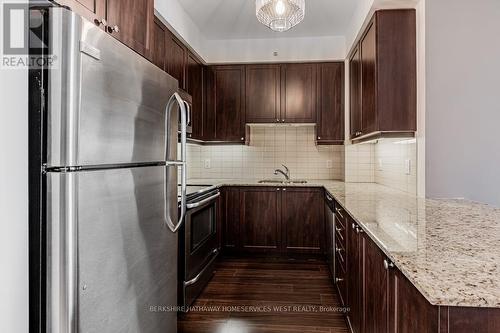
235	19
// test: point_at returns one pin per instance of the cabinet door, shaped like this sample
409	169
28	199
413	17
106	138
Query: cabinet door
229	103
176	59
262	93
230	218
376	280
410	312
260	227
368	81
131	22
355	93
354	276
330	117
302	217
209	110
298	93
194	87
92	10
158	47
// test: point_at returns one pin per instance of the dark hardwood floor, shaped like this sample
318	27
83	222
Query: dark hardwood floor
257	295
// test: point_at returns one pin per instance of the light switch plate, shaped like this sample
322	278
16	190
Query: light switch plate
329	164
407	166
206	164
380	165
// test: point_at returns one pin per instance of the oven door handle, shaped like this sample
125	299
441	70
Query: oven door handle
197	277
202	202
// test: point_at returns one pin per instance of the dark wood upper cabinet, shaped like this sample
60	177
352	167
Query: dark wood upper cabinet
302	218
298	93
260	227
158	48
388	76
129	21
92	10
194	87
176	59
262	93
368	83
355	92
330	115
225	115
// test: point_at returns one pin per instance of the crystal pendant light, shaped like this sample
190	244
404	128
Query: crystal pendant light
280	15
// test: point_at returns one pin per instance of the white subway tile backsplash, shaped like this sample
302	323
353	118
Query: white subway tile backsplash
270	146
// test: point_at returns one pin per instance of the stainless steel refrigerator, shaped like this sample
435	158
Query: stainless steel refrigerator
110	135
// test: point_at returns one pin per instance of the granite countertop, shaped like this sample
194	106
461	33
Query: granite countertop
448	249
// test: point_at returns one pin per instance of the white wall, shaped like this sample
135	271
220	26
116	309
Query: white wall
463	99
289	49
175	17
13	199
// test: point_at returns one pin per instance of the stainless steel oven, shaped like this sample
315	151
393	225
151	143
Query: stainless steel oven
198	244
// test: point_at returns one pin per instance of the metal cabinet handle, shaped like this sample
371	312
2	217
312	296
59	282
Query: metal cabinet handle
353	226
284	189
329	198
359	230
388	264
337	280
338	229
338	211
338	249
114	28
100	22
277	120
242	138
319	138
282	120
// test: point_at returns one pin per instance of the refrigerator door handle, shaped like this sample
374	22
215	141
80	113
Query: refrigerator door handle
176	99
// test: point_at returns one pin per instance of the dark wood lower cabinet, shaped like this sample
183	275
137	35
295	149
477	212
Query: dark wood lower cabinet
274	220
260	225
468	320
302	219
409	311
376	289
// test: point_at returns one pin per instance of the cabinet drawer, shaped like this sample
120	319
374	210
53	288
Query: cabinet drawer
340	231
341	215
340	281
340	253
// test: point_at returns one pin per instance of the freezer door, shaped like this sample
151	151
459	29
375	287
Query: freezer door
106	103
112	261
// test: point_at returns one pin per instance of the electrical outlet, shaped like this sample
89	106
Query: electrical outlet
408	167
329	164
380	165
206	164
